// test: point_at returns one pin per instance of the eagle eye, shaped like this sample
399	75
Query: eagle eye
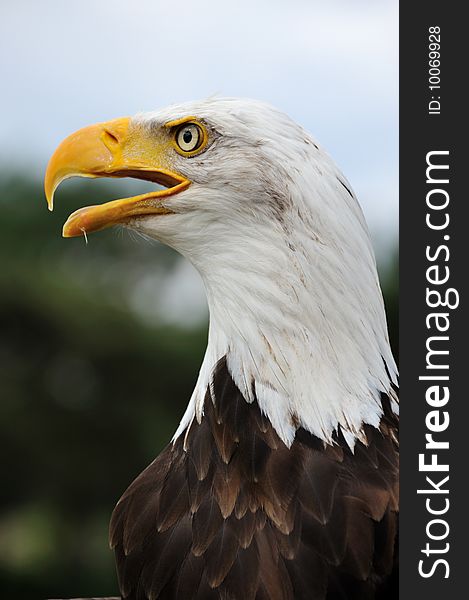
189	137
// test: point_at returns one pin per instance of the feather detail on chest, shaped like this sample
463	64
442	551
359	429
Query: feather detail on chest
237	514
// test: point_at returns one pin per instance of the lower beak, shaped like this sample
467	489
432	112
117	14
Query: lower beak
113	149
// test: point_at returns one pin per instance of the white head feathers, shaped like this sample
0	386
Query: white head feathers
284	252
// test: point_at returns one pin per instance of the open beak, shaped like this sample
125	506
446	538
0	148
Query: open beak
114	149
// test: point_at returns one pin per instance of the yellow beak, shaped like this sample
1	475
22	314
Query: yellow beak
114	149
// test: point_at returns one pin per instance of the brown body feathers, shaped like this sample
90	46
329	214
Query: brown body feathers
237	515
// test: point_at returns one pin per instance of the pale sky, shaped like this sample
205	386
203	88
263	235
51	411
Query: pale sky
331	65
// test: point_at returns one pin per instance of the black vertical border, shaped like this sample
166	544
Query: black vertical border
419	134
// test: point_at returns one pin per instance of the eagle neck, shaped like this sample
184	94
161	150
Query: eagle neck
292	342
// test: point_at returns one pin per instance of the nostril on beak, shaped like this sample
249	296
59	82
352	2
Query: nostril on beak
110	139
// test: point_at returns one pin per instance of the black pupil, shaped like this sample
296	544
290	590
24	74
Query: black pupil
187	136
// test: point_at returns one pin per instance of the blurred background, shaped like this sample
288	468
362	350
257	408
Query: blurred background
100	343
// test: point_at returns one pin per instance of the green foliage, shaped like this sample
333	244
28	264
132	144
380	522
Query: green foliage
90	391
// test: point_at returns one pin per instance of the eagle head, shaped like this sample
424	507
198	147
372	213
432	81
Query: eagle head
280	241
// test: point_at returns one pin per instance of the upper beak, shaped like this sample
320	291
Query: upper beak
113	149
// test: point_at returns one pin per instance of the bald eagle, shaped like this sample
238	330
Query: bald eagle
281	480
